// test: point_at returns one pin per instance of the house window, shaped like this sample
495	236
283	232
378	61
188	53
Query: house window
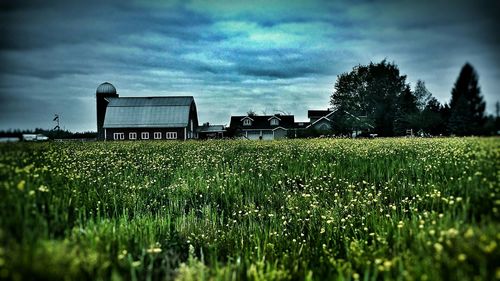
145	135
118	136
132	136
157	135
274	122
171	135
247	122
324	127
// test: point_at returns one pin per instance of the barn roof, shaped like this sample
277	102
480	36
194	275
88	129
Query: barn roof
148	112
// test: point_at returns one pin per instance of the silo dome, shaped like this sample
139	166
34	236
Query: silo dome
106	88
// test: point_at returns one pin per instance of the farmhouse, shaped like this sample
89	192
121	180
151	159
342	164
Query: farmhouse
144	118
337	120
320	119
265	127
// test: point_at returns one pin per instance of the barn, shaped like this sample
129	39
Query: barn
144	118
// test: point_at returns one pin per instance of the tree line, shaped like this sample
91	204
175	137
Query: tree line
51	134
380	94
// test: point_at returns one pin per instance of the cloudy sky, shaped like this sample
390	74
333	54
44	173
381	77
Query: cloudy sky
232	56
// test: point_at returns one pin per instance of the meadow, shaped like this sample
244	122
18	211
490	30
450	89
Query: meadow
325	209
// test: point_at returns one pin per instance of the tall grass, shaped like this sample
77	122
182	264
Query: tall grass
234	210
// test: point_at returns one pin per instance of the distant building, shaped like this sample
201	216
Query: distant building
144	118
35	137
208	131
320	119
339	121
265	127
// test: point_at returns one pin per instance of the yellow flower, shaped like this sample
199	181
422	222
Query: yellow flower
490	247
438	247
469	233
387	264
462	257
155	250
21	185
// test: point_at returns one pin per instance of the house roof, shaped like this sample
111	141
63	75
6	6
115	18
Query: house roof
211	128
327	116
302	124
318	113
148	112
262	122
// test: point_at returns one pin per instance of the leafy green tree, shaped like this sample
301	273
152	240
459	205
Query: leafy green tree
422	95
372	91
407	115
432	119
467	106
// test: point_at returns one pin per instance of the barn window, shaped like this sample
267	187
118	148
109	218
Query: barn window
118	136
274	122
247	122
157	135
145	135
132	136
171	135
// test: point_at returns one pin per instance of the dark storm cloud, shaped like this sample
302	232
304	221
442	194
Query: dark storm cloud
274	55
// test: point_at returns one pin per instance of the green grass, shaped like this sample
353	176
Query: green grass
406	209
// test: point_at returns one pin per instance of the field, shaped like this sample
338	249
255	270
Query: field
406	209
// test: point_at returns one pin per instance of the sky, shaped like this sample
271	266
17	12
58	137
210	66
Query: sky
233	56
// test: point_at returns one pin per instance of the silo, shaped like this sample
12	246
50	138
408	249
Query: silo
105	90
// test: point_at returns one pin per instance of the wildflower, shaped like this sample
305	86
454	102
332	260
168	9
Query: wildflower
490	247
438	247
43	188
122	254
462	257
469	233
452	232
21	185
387	264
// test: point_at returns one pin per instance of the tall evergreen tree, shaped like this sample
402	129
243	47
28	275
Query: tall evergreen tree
466	105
